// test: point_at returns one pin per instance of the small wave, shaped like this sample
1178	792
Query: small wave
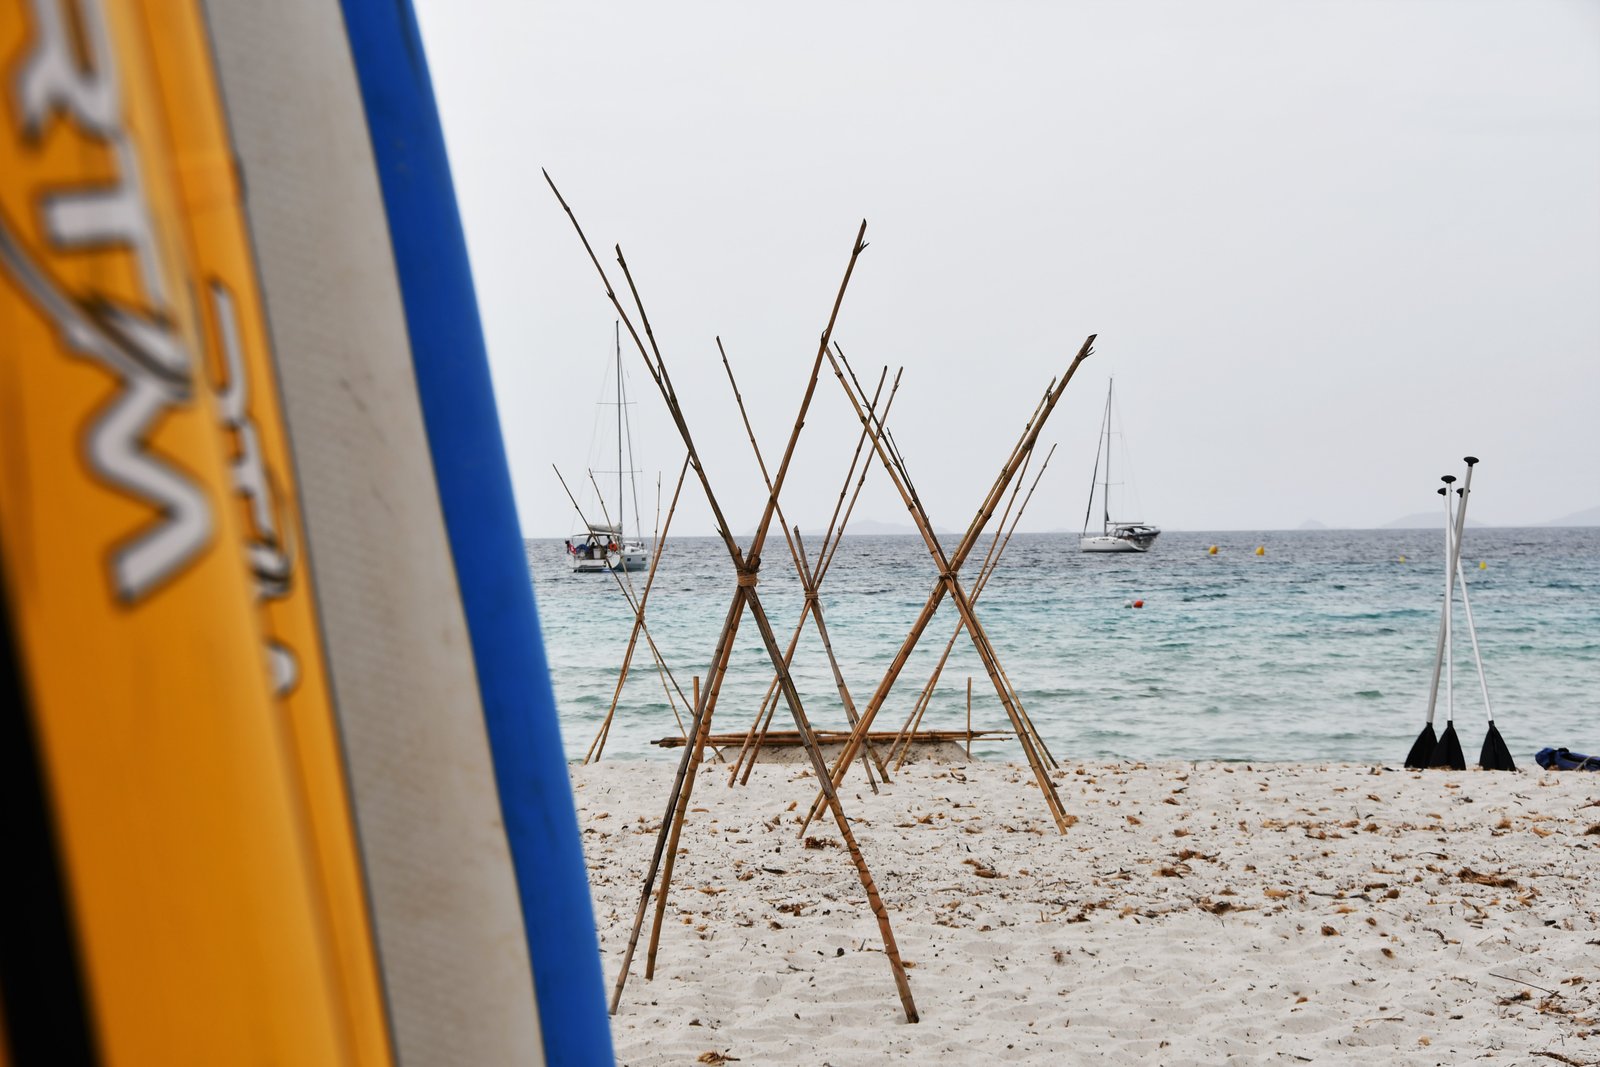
1370	694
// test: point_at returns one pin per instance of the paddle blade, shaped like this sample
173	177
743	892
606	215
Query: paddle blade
1495	755
1447	753
1421	755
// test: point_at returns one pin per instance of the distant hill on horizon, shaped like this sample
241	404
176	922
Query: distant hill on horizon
1312	524
874	528
1586	517
1423	520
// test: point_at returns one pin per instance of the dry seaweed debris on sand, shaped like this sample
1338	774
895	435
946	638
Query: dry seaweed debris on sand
745	598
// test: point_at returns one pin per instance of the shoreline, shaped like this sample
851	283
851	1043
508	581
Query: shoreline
1194	911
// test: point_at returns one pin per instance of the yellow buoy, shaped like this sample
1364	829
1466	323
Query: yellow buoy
1402	559
1212	550
1261	550
1483	565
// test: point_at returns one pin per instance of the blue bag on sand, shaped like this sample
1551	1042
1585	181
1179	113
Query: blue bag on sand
1560	759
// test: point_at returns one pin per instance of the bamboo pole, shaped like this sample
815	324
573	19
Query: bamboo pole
678	817
986	571
745	596
637	608
832	549
1024	449
969	716
769	702
748	751
719	662
819	767
975	630
747	567
1022	452
947	583
1024	445
838	675
751	748
669	684
908	729
812	605
597	746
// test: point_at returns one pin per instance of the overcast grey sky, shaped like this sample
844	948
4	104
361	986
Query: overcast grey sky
1329	248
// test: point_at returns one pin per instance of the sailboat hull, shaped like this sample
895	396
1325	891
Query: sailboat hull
1110	544
629	558
595	558
584	565
1122	539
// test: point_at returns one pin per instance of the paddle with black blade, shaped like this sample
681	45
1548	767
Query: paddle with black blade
1447	753
1495	754
1421	755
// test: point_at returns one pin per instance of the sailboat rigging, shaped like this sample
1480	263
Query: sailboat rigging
604	546
1114	536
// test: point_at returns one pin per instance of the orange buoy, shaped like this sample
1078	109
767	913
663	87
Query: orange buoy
1212	550
1138	603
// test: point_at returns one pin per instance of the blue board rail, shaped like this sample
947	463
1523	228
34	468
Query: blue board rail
452	373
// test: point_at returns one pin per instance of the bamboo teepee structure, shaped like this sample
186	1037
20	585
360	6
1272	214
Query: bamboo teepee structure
809	581
991	560
746	566
949	583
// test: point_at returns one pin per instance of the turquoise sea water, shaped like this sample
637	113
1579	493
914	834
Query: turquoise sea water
1319	650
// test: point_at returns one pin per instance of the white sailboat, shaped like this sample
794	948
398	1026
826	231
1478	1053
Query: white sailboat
1114	535
604	546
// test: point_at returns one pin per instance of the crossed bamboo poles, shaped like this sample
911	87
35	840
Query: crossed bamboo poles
811	581
1033	745
991	560
812	607
746	566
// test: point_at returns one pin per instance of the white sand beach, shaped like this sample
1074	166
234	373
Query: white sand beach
1194	913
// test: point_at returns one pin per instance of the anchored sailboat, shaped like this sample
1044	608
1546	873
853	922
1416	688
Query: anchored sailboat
1114	536
604	546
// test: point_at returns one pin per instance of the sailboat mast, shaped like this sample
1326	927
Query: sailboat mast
618	327
1105	497
1094	479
